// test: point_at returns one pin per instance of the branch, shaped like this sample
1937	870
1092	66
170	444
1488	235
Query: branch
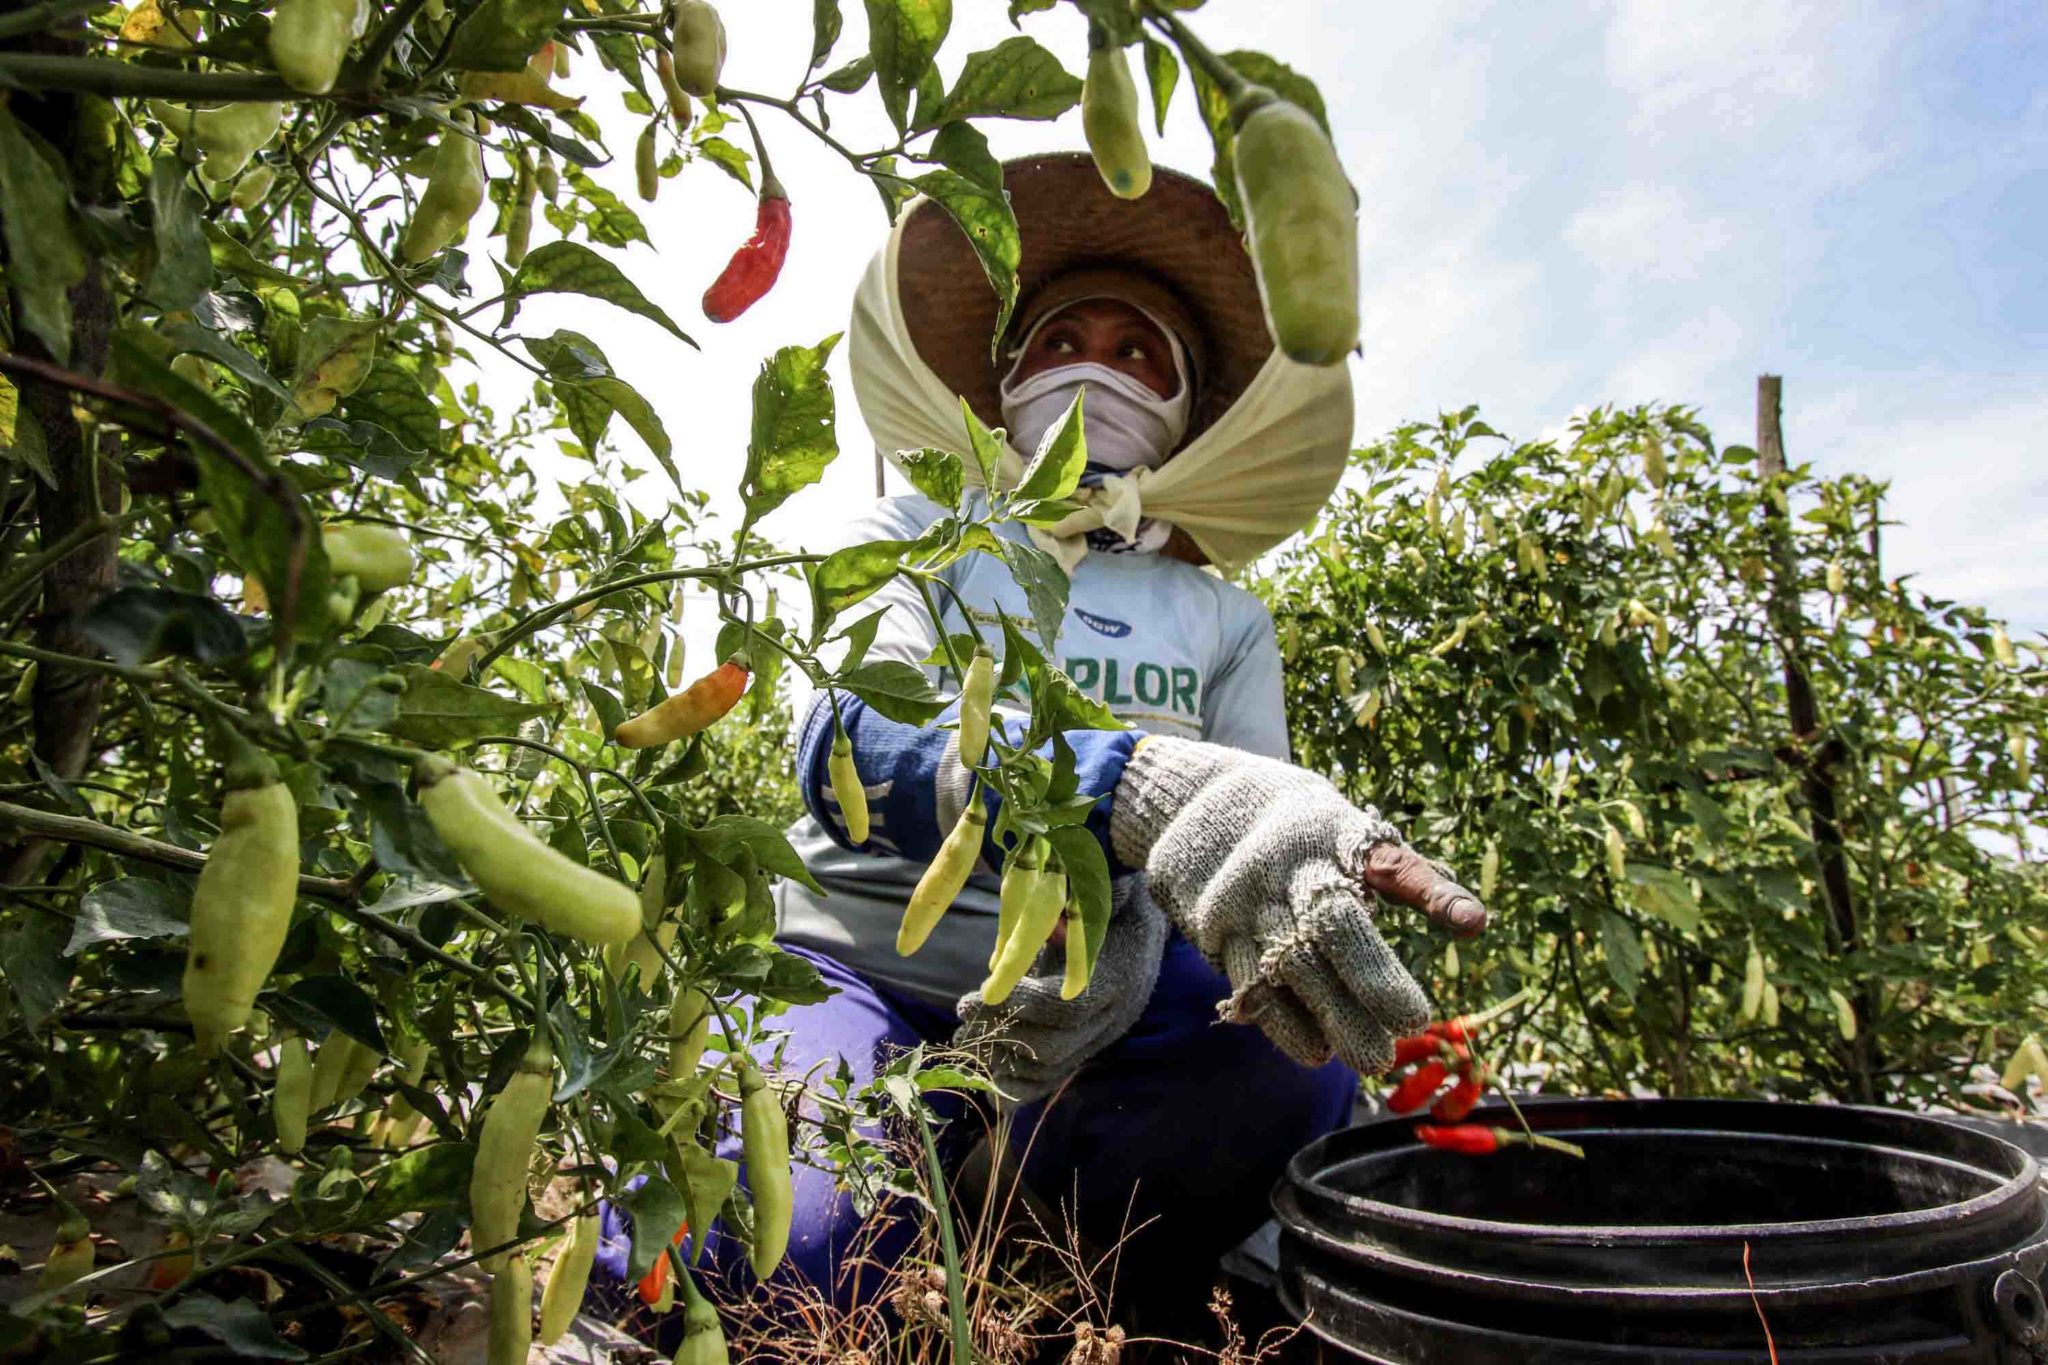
105	76
76	829
271	483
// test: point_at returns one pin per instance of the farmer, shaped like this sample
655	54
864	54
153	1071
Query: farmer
1242	985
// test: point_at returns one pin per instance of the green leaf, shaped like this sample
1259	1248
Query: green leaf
1664	893
847	576
769	845
257	520
1087	879
437	712
43	259
850	77
541	130
1162	73
1062	456
1016	78
572	268
499	35
658	1214
32	959
190	336
986	445
335	356
1045	587
1057	705
590	393
342	1003
707	1182
826	22
21	435
392	398
728	158
898	690
423	1180
984	215
134	625
793	435
239	1325
962	147
903	37
184	262
934	473
1624	953
128	907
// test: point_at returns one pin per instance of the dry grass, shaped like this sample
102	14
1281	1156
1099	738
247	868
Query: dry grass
1034	1289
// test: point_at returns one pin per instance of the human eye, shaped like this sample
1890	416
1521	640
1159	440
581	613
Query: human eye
1132	350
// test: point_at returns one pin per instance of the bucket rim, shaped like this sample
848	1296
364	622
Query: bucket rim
1304	1174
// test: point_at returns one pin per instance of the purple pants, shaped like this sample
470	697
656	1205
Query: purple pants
1183	1120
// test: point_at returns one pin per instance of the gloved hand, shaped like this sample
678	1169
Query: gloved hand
1267	870
1034	1040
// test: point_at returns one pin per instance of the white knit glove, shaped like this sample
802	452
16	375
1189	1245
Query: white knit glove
1034	1040
1270	872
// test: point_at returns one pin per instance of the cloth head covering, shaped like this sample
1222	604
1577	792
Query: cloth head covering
1271	436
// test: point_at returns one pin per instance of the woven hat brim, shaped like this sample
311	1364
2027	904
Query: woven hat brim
1178	234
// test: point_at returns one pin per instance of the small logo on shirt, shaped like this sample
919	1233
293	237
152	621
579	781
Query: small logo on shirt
1102	625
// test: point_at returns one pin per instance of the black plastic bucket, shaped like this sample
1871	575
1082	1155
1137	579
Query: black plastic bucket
1873	1236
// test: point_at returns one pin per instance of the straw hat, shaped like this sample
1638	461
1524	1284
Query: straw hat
1176	249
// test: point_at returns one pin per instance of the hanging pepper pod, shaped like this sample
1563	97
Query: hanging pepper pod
504	1150
291	1094
847	789
514	868
944	879
646	167
563	1295
519	216
703	1336
1302	221
753	269
697	36
693	709
511	1335
764	1142
1080	956
1109	118
977	696
1037	916
455	191
1021	874
242	905
679	107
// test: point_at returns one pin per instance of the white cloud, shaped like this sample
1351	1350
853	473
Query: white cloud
1645	232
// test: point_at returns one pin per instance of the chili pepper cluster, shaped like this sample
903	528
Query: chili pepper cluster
1442	1053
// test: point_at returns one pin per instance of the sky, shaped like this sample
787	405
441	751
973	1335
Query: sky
1620	201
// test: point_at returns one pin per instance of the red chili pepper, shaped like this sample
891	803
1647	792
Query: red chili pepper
1461	1098
1408	1051
1412	1093
1471	1139
1458	1030
752	270
656	1278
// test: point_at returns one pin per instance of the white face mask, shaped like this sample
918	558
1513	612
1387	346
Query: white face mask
1127	425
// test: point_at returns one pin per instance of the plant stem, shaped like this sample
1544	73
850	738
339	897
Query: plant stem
105	76
548	615
956	1296
76	829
